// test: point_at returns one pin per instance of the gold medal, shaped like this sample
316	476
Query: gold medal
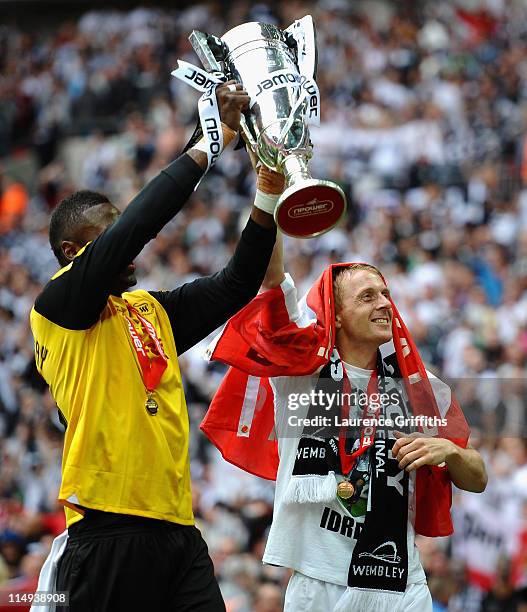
151	405
345	489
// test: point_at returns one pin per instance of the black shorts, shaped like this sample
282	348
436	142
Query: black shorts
118	562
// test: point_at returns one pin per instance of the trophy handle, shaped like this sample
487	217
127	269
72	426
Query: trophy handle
304	34
201	43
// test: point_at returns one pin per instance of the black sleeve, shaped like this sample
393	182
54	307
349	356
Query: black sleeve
76	298
198	308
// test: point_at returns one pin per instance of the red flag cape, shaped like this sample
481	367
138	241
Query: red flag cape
269	337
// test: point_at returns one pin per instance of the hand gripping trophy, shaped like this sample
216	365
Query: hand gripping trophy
277	69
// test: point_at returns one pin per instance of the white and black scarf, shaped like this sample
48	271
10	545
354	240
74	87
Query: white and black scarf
378	570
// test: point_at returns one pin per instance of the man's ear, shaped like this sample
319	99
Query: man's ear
70	249
338	322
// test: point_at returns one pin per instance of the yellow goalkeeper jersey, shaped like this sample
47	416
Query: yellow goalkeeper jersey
117	456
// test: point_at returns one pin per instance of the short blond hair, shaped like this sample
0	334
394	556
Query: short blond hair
344	273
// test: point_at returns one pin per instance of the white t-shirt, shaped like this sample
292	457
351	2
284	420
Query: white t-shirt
317	539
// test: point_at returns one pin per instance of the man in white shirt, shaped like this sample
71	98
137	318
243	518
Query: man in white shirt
316	540
348	494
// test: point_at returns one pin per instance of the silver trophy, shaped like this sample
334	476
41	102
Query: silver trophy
277	68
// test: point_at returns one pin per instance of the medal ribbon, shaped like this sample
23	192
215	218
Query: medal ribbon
151	369
367	433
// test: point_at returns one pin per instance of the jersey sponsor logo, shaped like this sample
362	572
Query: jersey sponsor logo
340	523
143	308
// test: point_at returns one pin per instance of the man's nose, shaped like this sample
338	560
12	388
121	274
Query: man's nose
383	302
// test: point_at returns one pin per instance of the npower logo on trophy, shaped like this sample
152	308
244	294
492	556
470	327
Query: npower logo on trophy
313	207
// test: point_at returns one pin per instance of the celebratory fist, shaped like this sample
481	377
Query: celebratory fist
414	450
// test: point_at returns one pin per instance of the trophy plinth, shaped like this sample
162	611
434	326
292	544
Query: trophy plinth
308	207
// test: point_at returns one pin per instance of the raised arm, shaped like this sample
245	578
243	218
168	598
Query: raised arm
269	182
151	209
275	273
157	203
198	308
77	296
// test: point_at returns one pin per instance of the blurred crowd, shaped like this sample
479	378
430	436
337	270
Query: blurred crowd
424	107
